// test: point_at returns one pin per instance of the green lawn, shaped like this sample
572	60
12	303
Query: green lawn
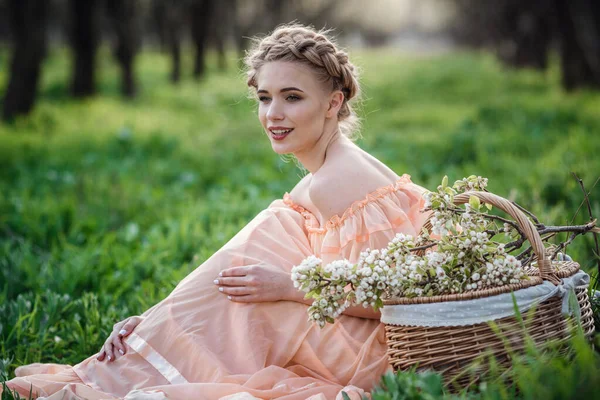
105	204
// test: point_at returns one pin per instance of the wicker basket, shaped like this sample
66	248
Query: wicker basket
449	349
566	269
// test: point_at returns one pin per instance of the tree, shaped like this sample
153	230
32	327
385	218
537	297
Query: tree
200	13
528	26
522	33
221	25
174	19
122	15
579	43
28	24
84	38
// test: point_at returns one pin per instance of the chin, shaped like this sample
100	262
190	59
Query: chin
281	149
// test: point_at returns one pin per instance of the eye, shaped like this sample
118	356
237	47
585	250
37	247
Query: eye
293	97
262	99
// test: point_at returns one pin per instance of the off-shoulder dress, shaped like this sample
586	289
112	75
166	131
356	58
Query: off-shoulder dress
196	344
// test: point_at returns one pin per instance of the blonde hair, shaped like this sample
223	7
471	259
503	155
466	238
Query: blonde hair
299	43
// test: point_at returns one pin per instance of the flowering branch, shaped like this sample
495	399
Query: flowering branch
586	199
466	260
462	258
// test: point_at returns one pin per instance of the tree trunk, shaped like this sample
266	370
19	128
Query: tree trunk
122	15
533	36
174	20
159	10
586	17
201	12
220	27
577	71
28	21
84	37
175	50
521	32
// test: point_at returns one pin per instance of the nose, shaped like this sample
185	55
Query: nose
275	112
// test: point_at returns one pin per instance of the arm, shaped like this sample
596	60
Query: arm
253	284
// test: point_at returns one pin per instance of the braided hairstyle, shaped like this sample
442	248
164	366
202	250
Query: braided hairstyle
298	43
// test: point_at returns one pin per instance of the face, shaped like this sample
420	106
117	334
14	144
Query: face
293	106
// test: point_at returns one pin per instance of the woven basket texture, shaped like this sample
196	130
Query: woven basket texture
450	350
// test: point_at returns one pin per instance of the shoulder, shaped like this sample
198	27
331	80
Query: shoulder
300	191
300	194
347	177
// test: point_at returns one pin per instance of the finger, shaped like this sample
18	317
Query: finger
110	354
235	271
243	299
233	281
129	326
118	346
119	324
236	290
101	355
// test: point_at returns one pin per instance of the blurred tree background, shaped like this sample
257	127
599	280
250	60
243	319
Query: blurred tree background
129	151
521	33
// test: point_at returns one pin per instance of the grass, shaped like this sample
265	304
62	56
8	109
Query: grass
105	205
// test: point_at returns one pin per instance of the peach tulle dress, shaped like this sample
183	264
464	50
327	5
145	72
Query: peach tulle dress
196	344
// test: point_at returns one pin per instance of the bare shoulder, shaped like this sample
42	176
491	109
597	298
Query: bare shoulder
301	186
347	176
300	193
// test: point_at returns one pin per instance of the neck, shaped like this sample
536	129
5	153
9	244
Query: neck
313	158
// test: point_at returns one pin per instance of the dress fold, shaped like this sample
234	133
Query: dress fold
196	344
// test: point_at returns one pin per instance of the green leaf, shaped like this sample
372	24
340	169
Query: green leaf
474	202
445	182
574	305
488	206
449	225
433	382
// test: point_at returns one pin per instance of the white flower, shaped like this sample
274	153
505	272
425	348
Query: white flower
396	271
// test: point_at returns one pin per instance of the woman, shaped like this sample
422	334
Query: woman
236	327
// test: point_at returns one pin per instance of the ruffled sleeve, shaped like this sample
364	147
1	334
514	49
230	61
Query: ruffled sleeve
369	223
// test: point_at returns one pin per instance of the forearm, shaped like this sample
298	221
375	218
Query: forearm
362	312
354	311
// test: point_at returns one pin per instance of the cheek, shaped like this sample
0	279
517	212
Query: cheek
306	114
262	115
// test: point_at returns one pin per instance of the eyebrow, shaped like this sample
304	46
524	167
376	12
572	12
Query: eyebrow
287	89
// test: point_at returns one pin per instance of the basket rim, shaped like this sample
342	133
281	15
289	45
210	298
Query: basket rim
562	269
565	270
475	294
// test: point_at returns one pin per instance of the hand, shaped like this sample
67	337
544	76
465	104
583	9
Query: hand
255	284
114	344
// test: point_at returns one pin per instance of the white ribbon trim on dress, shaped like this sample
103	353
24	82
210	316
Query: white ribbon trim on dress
469	312
161	364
